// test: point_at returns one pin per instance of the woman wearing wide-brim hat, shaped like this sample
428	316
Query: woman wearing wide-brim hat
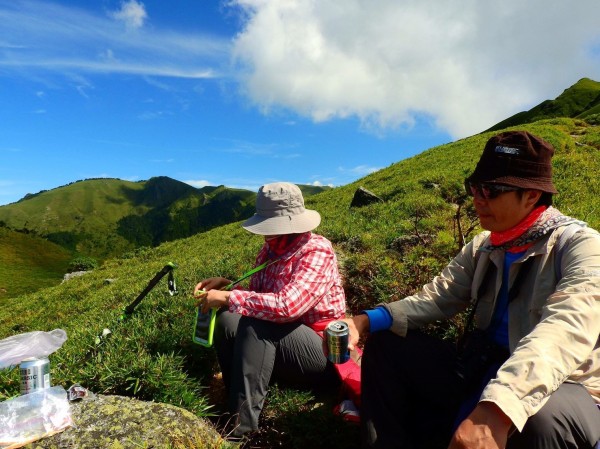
271	331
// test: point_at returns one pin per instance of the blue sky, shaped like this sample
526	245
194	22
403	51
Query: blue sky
245	92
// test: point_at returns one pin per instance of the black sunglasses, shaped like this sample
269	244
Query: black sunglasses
487	191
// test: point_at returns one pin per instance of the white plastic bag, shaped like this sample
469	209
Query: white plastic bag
33	416
31	344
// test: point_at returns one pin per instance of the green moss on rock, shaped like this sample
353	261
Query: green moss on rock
117	422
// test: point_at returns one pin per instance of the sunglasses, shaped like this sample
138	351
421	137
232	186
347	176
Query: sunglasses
487	191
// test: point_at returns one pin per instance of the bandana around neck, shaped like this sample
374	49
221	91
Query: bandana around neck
280	245
537	224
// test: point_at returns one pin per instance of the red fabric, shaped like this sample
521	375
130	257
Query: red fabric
279	245
303	285
320	325
500	238
349	373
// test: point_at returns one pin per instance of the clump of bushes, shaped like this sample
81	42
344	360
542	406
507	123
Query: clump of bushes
82	263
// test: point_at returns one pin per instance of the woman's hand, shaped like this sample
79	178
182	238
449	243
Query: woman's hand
216	283
208	293
214	298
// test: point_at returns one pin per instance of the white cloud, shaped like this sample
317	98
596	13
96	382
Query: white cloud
463	65
38	36
359	170
199	183
132	13
320	184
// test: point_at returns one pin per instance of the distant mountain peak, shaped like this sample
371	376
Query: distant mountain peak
578	101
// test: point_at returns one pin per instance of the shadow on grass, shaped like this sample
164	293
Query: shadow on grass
294	419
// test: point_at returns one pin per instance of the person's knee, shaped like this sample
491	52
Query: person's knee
226	326
379	346
541	430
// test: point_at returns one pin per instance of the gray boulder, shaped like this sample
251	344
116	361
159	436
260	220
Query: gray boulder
363	197
117	422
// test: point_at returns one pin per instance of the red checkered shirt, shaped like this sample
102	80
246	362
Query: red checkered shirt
303	285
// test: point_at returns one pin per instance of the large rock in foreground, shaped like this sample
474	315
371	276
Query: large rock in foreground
117	422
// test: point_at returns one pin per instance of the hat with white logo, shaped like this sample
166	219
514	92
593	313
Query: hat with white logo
280	210
516	158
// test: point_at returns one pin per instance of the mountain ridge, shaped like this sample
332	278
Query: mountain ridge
386	250
580	100
109	217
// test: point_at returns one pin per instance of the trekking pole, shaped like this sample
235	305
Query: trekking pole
167	269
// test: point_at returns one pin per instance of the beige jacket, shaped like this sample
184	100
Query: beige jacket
554	324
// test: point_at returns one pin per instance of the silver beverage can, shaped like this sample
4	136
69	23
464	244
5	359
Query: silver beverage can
35	374
337	334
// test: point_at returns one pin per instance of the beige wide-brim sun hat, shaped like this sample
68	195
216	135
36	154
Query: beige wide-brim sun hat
280	210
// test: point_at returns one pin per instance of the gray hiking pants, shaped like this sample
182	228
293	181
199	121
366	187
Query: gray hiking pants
253	353
400	409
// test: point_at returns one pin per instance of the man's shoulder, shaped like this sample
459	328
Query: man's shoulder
574	231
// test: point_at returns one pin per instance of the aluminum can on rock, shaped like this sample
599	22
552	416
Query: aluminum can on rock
337	334
35	374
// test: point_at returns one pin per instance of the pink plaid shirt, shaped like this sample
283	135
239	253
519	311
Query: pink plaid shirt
304	285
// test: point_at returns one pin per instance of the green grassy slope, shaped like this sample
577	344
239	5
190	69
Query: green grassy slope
28	263
85	205
386	250
103	218
578	101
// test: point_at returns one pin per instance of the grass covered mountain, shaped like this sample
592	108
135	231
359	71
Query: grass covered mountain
103	218
106	217
386	250
29	262
581	100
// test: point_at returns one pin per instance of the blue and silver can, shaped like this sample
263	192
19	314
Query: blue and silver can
35	374
337	334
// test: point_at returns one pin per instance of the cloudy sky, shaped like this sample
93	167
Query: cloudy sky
244	92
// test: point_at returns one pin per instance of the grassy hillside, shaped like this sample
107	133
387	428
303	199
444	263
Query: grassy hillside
106	217
578	101
28	262
386	251
103	218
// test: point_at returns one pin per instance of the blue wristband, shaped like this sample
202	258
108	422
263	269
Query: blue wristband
379	319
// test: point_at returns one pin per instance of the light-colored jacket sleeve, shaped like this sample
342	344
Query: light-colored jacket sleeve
448	294
560	347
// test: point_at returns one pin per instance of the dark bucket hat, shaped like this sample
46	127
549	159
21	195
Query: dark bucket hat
516	158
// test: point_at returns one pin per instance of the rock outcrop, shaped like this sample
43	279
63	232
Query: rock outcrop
117	422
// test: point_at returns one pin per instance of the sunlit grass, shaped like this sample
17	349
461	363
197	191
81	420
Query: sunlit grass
386	251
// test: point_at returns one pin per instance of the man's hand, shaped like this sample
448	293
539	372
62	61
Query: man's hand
357	326
485	428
